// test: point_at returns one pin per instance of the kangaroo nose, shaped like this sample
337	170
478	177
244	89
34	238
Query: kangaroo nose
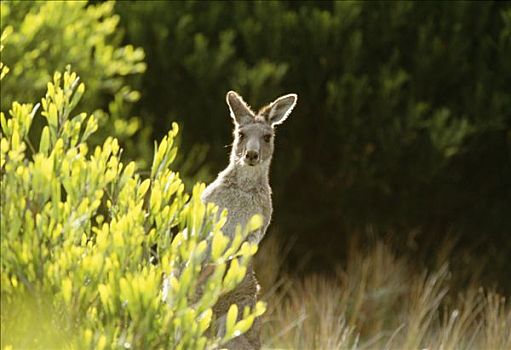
252	155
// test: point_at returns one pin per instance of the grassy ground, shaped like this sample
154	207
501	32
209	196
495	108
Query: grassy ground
377	301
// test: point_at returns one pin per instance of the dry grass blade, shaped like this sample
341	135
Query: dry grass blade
376	302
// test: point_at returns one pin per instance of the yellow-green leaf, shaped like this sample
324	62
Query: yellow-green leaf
230	321
45	141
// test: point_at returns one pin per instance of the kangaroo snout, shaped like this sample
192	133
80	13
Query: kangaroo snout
252	157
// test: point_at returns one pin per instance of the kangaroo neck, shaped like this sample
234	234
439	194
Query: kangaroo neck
248	178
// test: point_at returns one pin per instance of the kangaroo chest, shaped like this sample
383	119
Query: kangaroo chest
241	206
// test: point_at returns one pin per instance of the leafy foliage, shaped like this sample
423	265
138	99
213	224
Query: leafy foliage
46	36
402	121
86	241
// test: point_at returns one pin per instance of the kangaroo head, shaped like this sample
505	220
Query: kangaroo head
254	132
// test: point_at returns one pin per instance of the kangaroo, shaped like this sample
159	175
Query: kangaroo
243	188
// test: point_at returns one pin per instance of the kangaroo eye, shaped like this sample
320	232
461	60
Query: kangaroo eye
267	138
241	135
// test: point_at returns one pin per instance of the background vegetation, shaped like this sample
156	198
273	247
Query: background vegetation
391	179
379	300
45	36
403	121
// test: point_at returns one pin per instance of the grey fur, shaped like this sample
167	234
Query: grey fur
243	188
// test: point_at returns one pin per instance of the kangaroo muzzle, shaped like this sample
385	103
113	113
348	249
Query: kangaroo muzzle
252	157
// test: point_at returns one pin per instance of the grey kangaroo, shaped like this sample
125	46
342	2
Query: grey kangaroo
243	188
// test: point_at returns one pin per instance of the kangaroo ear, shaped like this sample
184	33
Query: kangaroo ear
240	111
281	108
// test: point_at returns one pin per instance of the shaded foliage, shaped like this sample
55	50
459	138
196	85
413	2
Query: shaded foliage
403	119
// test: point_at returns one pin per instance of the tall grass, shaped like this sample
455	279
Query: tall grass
378	301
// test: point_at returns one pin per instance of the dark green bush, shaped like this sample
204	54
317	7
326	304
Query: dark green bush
403	116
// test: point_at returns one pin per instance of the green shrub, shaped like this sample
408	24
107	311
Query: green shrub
402	106
45	36
86	241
